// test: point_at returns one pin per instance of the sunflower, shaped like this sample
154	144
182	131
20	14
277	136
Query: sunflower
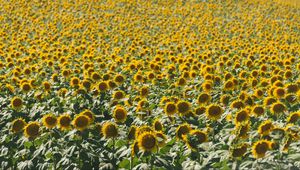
95	76
292	88
147	141
170	108
26	87
200	110
241	130
143	129
269	101
240	150
46	86
265	127
213	112
119	79
49	120
258	110
109	130
204	98
81	122
118	95
194	138
16	103
291	98
279	92
89	114
64	122
182	130
293	117
229	85
31	130
62	92
237	104
132	132
225	99
181	81
75	81
241	116
157	125
207	86
102	86
120	114
258	93
18	125
144	91
86	84
277	107
135	148
260	148
183	107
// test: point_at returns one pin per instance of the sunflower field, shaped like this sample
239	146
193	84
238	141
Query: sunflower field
149	84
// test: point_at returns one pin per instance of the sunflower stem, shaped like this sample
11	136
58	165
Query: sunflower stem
151	161
131	162
113	149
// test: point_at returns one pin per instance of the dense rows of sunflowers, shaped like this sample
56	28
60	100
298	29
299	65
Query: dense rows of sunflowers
149	84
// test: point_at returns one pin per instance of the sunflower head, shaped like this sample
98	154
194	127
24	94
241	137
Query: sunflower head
225	99
102	86
49	121
279	92
241	130
182	130
277	107
135	148
132	132
109	130
293	117
16	103
118	95
120	114
265	127
143	129
200	110
46	86
183	107
144	91
74	82
26	87
195	138
81	122
269	101
213	112
204	98
170	108
157	125
31	130
241	116
260	148
237	104
239	150
89	114
147	142
258	110
18	125
119	79
64	122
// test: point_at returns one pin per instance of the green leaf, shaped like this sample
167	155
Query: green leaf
28	144
295	156
124	164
